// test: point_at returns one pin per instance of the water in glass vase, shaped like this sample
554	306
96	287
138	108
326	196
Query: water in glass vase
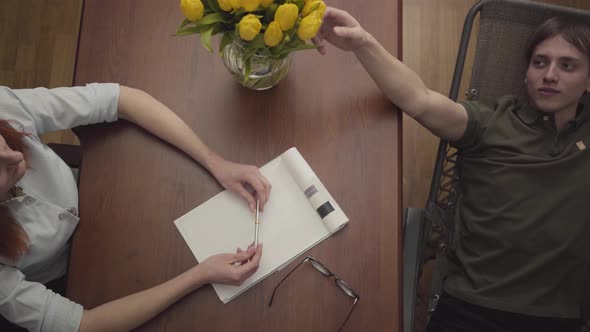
265	72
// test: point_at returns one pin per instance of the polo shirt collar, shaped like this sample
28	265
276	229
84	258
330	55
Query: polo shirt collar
529	114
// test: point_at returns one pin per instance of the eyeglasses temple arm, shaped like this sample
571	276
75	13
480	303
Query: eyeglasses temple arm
280	282
356	300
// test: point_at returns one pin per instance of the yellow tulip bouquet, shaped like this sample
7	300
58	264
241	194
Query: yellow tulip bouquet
263	28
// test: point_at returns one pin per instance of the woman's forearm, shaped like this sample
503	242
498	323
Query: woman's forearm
144	110
131	311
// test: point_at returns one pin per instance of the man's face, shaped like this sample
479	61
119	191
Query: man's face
12	167
557	76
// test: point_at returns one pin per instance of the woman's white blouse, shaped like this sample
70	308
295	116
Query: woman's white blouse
48	212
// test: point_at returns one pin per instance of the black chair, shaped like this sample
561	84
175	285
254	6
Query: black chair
499	68
71	154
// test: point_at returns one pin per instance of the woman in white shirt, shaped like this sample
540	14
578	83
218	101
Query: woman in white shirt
39	204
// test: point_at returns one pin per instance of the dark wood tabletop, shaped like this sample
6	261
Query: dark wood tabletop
133	185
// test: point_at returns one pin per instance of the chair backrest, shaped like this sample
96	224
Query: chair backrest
499	63
499	67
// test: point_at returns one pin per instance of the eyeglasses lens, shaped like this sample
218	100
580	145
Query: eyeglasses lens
345	288
320	268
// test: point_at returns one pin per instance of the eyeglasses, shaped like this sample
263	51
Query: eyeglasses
325	271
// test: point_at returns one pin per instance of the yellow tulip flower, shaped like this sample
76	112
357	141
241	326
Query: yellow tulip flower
236	4
273	34
286	15
225	5
266	3
249	27
313	6
309	26
192	9
250	5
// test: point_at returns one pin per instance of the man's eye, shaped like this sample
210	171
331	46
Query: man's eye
568	66
538	63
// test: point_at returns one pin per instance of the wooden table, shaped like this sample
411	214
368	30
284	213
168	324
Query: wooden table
133	186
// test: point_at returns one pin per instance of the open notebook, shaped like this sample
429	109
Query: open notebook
299	214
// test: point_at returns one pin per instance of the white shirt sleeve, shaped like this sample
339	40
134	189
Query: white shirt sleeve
46	110
33	306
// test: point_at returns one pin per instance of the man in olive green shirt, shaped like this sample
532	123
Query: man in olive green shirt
523	218
521	261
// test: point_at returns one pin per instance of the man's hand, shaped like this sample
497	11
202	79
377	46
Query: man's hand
341	30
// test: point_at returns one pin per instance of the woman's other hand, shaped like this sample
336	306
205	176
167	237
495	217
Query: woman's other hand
242	179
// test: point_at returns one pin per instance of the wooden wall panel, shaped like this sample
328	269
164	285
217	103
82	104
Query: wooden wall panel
38	40
431	35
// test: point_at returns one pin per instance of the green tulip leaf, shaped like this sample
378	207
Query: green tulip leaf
189	30
206	38
184	23
211	18
240	11
298	48
247	70
213	5
299	4
225	40
258	41
269	14
217	28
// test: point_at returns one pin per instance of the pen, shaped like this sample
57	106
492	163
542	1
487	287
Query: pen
256	224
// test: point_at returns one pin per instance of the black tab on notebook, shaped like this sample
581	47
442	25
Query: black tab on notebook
325	209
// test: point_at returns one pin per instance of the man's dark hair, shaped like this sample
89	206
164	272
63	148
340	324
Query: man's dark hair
574	31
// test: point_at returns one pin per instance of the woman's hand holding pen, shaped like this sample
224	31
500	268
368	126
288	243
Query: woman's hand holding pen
235	177
222	268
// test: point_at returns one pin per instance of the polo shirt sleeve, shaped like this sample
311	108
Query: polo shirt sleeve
33	306
63	108
478	116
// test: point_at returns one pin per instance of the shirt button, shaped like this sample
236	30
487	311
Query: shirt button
545	118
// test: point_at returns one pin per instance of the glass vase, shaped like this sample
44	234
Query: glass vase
265	72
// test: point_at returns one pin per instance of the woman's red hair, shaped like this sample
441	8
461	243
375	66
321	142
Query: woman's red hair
14	241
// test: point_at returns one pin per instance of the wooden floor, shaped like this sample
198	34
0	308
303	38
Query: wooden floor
38	40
